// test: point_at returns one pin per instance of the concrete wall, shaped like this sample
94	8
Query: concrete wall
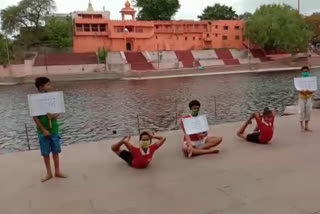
239	54
119	68
167	56
66	69
252	61
168	65
204	54
115	58
13	71
211	62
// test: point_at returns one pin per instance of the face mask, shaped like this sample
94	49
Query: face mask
194	113
43	91
145	144
305	74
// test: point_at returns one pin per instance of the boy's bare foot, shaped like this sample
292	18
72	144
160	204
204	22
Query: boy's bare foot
48	177
308	130
60	175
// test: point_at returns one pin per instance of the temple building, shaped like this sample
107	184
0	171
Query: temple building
95	29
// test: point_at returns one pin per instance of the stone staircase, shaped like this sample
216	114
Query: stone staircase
138	61
187	59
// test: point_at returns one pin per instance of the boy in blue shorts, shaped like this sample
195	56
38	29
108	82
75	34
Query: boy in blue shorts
48	133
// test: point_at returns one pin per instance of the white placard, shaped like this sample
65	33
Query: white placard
306	83
44	103
195	125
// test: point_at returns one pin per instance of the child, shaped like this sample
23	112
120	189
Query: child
264	130
198	144
305	103
48	133
138	157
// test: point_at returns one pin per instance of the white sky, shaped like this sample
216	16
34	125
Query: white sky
190	9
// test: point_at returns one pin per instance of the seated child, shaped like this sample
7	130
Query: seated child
198	144
264	130
138	157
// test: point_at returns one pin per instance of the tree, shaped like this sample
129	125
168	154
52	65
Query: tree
278	27
218	12
5	47
245	16
156	9
313	23
59	33
28	13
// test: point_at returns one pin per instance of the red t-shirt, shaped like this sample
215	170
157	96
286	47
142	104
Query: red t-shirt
141	160
193	137
266	130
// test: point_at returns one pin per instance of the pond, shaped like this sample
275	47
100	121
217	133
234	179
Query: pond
95	109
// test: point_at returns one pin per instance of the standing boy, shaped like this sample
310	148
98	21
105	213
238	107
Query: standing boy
48	133
305	103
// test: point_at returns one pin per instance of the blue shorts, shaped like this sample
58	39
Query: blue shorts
50	145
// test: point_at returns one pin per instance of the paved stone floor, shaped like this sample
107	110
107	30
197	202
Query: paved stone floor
281	178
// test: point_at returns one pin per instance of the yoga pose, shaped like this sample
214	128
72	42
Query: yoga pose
263	132
138	157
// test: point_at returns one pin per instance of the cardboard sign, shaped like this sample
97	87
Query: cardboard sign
44	103
306	83
196	125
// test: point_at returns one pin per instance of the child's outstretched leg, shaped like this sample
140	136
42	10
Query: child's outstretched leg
58	173
241	133
46	160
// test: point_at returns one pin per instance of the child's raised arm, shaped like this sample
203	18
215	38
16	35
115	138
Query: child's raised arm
161	140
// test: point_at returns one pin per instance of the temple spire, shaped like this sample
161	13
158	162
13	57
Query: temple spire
90	8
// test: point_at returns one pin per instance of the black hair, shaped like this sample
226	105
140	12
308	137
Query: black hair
194	103
266	111
144	133
41	81
305	68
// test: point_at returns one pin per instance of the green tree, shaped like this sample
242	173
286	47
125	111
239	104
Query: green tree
313	23
5	46
28	13
102	54
59	33
278	27
218	12
157	9
245	16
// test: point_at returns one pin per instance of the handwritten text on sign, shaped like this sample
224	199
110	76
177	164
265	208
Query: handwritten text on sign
43	103
306	83
196	125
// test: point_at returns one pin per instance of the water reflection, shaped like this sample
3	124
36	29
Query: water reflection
96	108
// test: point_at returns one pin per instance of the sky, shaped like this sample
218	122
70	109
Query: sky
190	9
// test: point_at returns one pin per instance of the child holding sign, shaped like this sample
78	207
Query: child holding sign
138	157
263	133
305	103
48	133
200	143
